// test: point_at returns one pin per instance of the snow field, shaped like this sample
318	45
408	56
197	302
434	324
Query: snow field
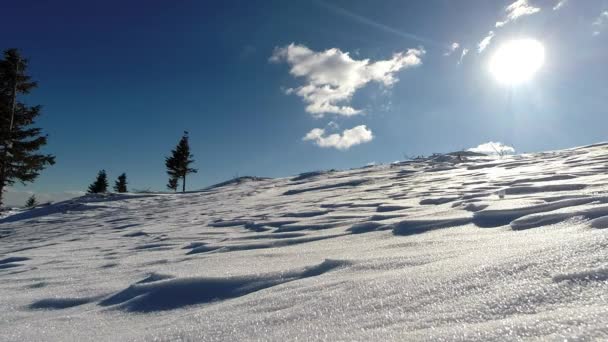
421	250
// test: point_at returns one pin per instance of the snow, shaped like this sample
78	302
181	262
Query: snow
417	250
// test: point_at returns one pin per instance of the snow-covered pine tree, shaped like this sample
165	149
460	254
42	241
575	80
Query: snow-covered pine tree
31	202
178	164
100	185
121	183
19	141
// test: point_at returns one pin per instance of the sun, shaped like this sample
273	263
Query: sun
517	61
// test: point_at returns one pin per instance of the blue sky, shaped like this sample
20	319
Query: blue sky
121	80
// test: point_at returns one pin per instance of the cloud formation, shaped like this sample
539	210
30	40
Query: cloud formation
493	148
350	137
452	49
599	22
559	4
485	42
332	76
333	125
463	55
517	9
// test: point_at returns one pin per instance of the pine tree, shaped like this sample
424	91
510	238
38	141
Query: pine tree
19	141
31	202
172	185
100	185
178	165
121	183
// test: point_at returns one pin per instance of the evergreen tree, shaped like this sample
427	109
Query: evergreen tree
121	183
178	164
19	141
31	202
100	185
172	185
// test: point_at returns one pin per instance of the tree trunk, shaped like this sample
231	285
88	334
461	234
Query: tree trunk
184	184
14	100
1	191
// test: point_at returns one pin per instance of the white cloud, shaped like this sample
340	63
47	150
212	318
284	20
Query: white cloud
332	76
493	148
599	22
559	4
485	42
17	198
452	49
350	137
517	9
463	55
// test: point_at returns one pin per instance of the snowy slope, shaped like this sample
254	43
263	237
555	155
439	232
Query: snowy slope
485	249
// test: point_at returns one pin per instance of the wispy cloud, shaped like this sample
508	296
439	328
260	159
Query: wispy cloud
332	76
333	125
493	148
350	137
600	22
463	55
485	42
377	25
516	10
559	5
455	46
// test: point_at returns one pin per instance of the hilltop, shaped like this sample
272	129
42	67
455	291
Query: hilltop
452	248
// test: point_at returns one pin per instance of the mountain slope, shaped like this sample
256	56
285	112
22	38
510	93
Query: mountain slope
443	249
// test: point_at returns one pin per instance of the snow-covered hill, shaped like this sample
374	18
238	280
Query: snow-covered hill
480	249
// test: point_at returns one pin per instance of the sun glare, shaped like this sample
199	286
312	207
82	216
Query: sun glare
517	61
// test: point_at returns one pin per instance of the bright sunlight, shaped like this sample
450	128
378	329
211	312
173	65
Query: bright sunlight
517	61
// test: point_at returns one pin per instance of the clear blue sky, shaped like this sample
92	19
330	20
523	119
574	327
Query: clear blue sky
121	80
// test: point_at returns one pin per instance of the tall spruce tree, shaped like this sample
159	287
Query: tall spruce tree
121	183
178	164
19	141
100	185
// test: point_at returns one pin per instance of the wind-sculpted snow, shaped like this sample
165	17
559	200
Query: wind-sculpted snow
59	303
175	293
410	227
12	260
436	249
599	275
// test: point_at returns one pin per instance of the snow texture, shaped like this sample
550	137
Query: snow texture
473	248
